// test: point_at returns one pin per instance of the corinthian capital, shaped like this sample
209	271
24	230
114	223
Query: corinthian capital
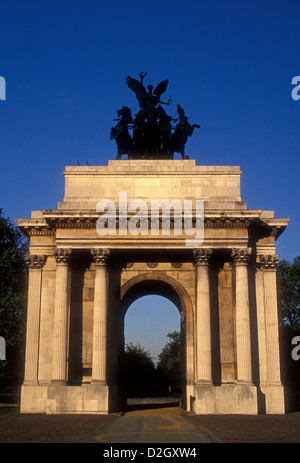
62	255
268	261
36	261
202	255
100	255
241	256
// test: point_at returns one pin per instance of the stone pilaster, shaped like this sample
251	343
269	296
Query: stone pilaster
60	332
203	325
35	264
241	258
267	264
100	257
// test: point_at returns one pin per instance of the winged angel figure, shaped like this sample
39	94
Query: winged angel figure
151	128
148	101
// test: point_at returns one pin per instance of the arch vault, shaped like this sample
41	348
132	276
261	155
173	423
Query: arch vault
159	283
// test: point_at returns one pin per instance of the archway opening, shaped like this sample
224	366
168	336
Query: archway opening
153	358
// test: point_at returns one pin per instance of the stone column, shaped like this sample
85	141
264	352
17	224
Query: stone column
261	325
203	328
268	264
100	257
242	322
35	264
60	332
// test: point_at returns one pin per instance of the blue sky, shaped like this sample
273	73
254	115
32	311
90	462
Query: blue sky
148	322
229	63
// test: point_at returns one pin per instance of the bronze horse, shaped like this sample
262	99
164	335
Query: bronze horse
181	133
120	132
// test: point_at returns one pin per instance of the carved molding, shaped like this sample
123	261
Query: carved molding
100	255
227	222
75	222
241	256
152	264
202	255
90	222
40	232
35	261
267	261
176	264
62	255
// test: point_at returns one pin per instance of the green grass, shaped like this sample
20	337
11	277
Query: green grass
4	405
9	400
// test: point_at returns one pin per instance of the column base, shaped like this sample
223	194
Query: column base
58	382
58	399
33	398
204	382
225	399
28	382
242	382
85	399
98	382
274	398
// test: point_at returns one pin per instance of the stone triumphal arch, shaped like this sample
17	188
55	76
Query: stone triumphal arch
82	280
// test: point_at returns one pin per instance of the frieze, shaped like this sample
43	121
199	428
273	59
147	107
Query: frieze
40	232
227	222
176	264
90	222
81	222
152	264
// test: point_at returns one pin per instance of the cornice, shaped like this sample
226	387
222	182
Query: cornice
76	219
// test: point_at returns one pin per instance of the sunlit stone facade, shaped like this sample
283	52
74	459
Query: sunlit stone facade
81	283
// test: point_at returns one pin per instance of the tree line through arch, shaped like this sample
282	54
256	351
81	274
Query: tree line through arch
143	377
